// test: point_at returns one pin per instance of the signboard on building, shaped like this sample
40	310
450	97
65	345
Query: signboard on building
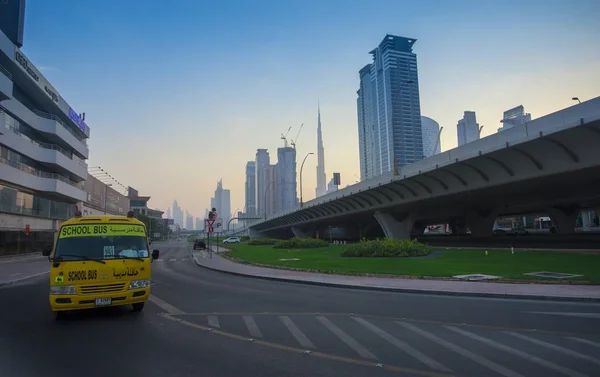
12	20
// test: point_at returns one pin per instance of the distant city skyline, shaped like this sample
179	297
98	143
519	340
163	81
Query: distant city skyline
262	95
321	188
467	128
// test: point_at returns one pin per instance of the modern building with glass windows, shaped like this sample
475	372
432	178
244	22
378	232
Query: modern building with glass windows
250	203
467	128
43	149
431	137
285	176
389	110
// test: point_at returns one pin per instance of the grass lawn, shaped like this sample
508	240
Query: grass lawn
452	262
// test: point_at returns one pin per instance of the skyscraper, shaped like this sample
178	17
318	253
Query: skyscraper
178	215
467	128
431	142
286	179
262	160
321	176
514	117
189	221
389	111
269	198
199	224
251	189
222	202
168	213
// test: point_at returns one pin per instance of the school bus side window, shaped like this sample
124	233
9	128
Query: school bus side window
102	247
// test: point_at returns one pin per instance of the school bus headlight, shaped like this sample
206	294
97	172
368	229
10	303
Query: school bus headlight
137	284
63	290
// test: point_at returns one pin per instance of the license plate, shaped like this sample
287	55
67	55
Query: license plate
103	301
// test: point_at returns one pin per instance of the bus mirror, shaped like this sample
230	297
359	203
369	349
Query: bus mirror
155	254
47	251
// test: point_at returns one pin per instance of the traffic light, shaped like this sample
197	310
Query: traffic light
211	215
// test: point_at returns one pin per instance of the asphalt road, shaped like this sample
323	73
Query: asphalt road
205	323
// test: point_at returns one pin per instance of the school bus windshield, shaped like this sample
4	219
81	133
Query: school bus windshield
101	242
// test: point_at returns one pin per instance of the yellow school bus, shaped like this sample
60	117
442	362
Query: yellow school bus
100	261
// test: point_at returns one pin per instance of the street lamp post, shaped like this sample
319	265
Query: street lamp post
265	202
301	167
576	99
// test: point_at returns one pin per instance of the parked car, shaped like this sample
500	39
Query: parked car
519	231
232	240
199	244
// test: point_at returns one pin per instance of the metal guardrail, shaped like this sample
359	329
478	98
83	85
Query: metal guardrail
38	173
5	72
56	118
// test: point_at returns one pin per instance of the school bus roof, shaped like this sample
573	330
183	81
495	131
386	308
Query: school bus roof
103	220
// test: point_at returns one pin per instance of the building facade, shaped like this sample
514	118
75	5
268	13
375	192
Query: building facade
43	153
388	108
269	197
431	137
514	117
102	199
251	189
178	214
262	161
222	202
467	129
286	188
321	175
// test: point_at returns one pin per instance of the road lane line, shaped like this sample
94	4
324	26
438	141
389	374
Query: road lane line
555	348
173	260
521	354
213	321
403	346
17	274
584	341
362	351
184	259
461	351
296	333
164	305
252	326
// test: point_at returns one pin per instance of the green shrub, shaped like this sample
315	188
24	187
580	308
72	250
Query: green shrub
301	243
386	248
244	238
263	242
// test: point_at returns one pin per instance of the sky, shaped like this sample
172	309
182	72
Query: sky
179	94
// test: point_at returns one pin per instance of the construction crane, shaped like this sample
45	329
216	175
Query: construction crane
284	137
293	142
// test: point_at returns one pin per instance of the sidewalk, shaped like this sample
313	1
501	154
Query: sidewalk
441	287
16	269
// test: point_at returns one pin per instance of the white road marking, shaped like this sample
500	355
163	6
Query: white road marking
17	274
252	327
164	305
184	259
362	351
555	348
299	335
466	353
403	346
585	341
213	321
173	260
568	314
521	354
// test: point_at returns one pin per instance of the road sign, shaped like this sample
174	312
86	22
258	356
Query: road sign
208	222
27	229
211	229
219	225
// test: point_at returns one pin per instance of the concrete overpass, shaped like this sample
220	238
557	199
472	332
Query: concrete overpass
551	165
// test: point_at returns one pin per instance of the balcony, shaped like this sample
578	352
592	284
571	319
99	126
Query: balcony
52	183
51	125
43	152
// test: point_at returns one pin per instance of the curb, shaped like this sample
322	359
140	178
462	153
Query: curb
405	290
9	283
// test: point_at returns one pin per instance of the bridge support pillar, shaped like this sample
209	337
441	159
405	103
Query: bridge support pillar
458	226
563	218
481	222
254	234
299	233
395	226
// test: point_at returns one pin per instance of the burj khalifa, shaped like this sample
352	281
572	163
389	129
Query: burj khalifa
321	176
